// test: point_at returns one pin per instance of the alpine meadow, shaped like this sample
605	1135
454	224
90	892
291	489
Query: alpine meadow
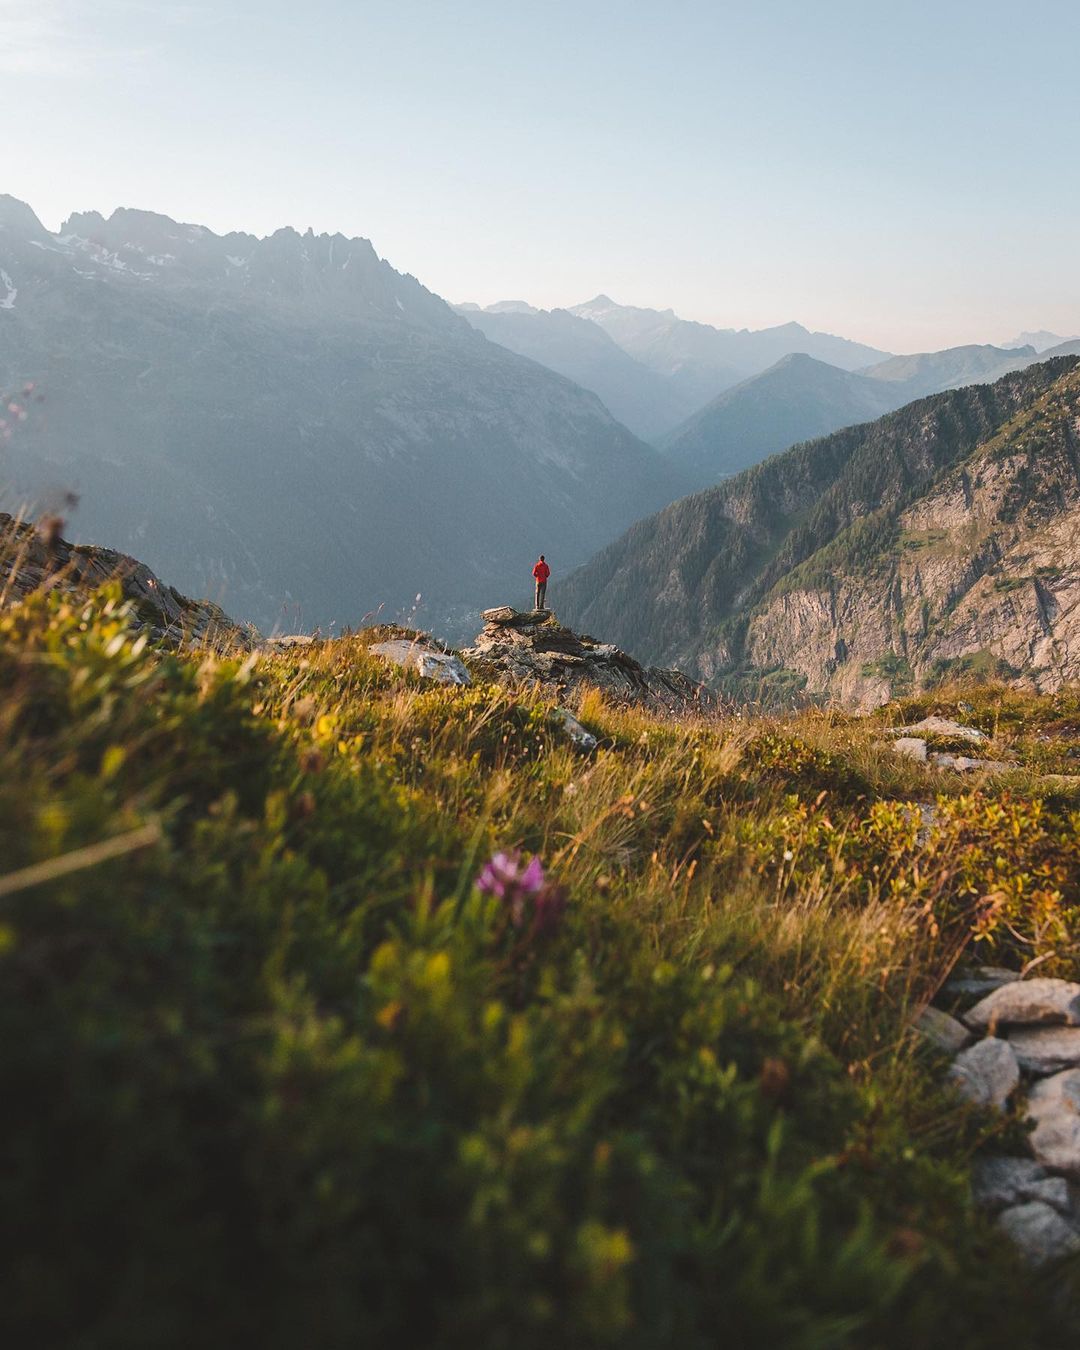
530	820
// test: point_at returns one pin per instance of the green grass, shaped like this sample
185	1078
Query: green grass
285	1077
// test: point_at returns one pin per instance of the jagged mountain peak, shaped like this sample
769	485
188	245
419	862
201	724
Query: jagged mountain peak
289	414
18	217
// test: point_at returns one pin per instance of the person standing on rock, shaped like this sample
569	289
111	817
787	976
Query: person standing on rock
541	572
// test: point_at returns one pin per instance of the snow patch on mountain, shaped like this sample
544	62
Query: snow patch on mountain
8	301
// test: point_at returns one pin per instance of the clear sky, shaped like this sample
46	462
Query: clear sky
905	173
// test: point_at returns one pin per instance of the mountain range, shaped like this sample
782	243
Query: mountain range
288	421
937	539
655	370
719	400
642	399
800	398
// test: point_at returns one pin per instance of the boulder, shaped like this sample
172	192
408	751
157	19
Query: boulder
986	1073
569	725
978	981
964	764
944	1031
911	747
997	1183
1046	1050
941	726
1027	1003
1039	1232
531	647
427	661
1054	1106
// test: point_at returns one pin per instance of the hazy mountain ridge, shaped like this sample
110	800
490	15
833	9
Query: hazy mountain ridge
1041	340
638	397
800	398
795	400
289	420
702	360
725	580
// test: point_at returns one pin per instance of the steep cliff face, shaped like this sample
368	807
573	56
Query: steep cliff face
939	539
982	572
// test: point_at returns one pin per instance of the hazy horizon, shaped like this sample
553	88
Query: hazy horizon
900	182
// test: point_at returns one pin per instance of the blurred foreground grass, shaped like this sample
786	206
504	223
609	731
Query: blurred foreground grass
277	1073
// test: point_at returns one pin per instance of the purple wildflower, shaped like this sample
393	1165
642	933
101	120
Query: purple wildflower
525	891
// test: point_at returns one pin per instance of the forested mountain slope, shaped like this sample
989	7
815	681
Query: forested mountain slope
879	532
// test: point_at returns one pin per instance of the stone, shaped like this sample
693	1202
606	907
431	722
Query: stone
517	647
979	981
986	1073
941	726
431	664
965	764
999	1182
572	728
944	1031
286	640
33	559
911	747
1046	1050
1054	1191
1039	1232
1039	1002
1054	1106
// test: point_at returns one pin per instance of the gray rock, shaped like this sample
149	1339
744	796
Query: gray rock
999	1182
986	1073
1045	1050
442	667
1027	1003
946	1032
532	647
941	726
1054	1191
1039	1232
572	728
33	559
980	981
964	764
911	747
1054	1106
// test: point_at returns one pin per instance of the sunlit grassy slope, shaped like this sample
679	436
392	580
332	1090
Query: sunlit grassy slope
278	1074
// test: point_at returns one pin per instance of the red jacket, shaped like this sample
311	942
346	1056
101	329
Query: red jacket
541	571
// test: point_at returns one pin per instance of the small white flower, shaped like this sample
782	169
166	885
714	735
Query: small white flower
788	855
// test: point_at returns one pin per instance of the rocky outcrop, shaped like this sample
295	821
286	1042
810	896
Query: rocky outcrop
34	558
532	647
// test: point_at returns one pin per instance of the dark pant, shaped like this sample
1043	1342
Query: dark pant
541	594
